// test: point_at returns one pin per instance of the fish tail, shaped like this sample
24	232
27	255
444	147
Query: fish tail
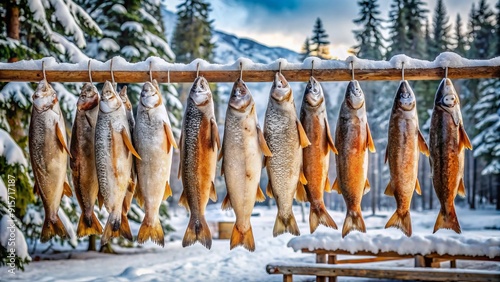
125	228
51	227
353	221
197	231
319	216
244	239
88	226
153	232
112	228
447	220
285	224
402	220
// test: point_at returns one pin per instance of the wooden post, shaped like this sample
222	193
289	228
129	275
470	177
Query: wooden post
321	258
419	261
332	259
287	278
453	263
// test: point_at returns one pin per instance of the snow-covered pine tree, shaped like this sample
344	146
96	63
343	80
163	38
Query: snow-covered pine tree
398	41
482	32
441	31
370	40
319	41
415	15
458	36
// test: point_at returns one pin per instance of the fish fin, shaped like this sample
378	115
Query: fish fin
62	141
153	232
88	226
389	191
168	191
226	203
51	228
219	157
300	193
422	144
319	216
367	187
215	135
335	186
447	221
213	193
329	138
285	224
67	190
197	231
353	221
170	136
260	197
369	140
269	190
302	177
35	189
464	138
304	141
183	201
328	187
263	144
386	154
125	228
461	188
417	187
222	168
100	199
402	221
264	161
131	186
128	143
244	239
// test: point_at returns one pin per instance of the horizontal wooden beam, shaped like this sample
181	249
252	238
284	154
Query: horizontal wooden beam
252	75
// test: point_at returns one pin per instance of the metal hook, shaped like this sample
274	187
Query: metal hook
198	70
352	69
241	70
446	72
111	70
279	67
312	67
43	71
403	70
90	72
150	71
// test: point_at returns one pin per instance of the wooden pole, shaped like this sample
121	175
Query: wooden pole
250	75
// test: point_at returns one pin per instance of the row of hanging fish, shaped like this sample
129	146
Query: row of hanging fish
296	156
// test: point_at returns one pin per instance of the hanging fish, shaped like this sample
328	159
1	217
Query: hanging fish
48	154
83	162
404	144
154	140
353	139
113	153
447	139
242	147
316	158
285	137
198	161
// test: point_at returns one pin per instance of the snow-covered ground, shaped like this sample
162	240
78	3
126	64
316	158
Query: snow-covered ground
195	263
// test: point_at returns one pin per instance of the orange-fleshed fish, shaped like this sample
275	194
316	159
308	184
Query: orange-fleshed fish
316	158
154	142
83	162
198	145
285	137
113	154
242	147
447	140
404	144
353	140
49	157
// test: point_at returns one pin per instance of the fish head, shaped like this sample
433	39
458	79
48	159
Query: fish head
44	97
150	95
281	90
89	97
354	95
314	93
125	99
405	98
200	92
446	96
110	101
241	97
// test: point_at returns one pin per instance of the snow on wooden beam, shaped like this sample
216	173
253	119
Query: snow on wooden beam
131	76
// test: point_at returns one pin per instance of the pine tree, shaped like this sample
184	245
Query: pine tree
427	38
193	32
306	49
441	31
460	41
415	15
497	29
481	32
319	41
369	37
398	41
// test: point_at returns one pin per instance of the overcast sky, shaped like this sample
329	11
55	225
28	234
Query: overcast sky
287	23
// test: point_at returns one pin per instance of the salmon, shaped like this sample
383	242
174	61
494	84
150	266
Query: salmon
48	154
199	145
285	137
154	141
113	154
448	141
316	158
242	147
353	140
83	162
405	141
